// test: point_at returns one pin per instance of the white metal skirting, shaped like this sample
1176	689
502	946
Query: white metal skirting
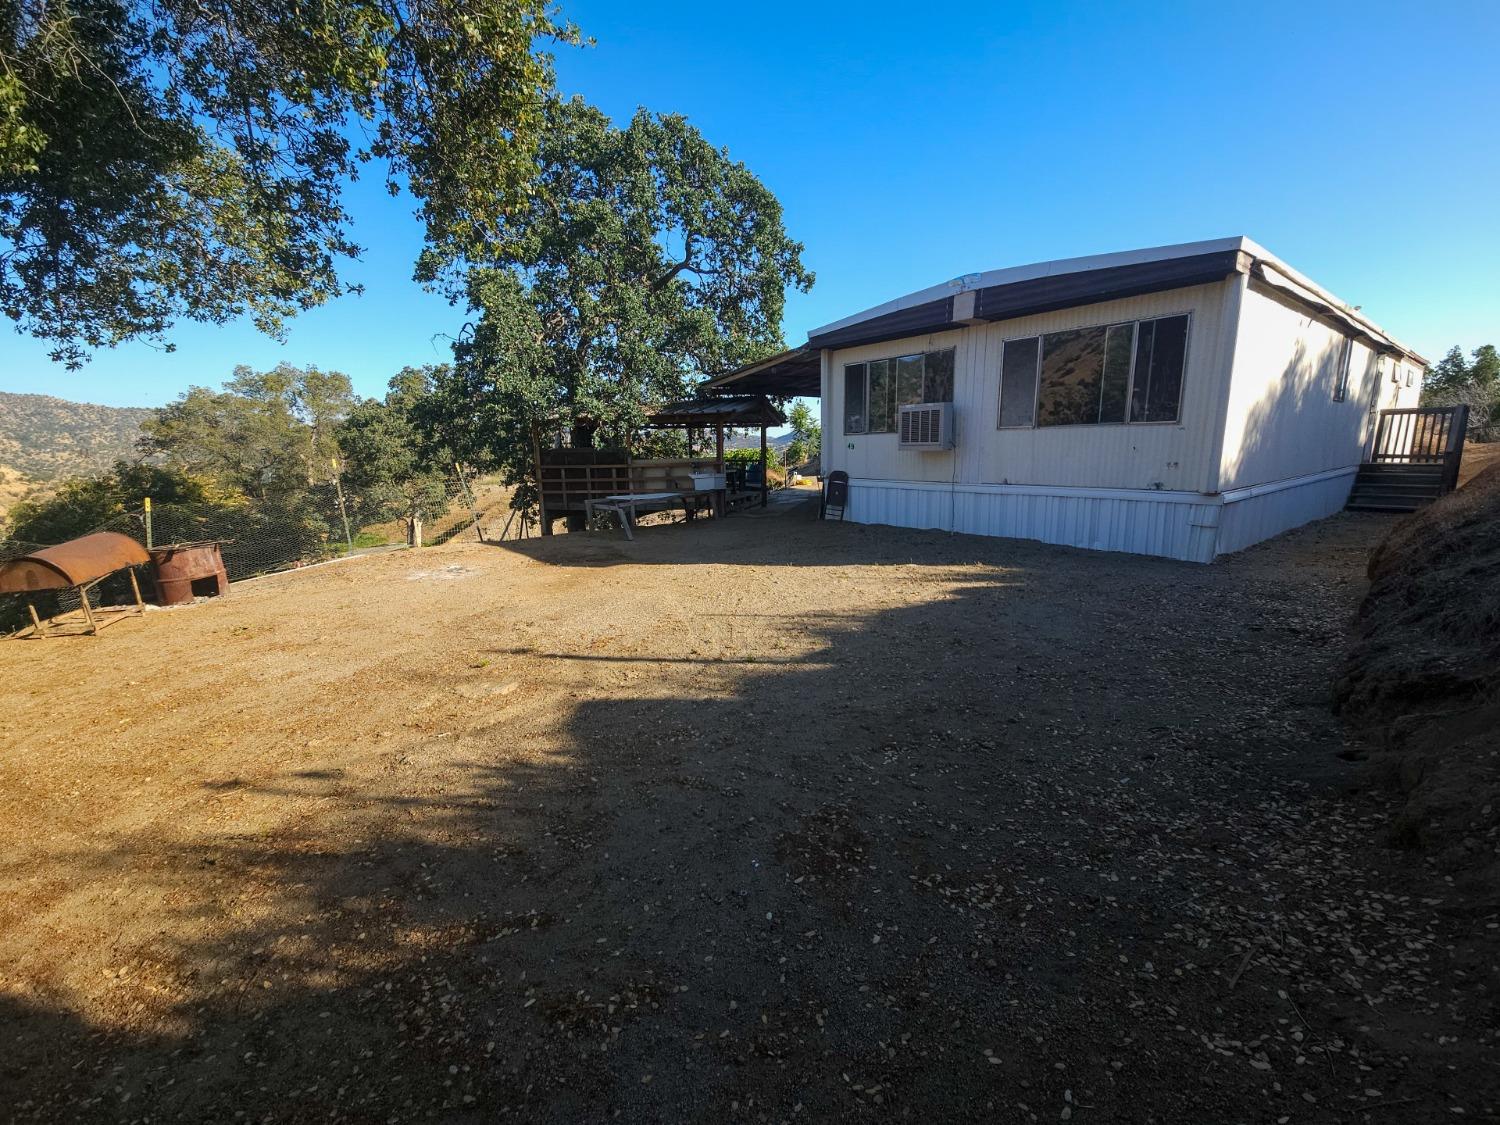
1174	525
1193	527
1251	515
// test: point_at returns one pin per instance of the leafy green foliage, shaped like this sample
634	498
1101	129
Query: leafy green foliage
267	434
83	504
162	159
1474	382
393	466
749	457
645	257
807	434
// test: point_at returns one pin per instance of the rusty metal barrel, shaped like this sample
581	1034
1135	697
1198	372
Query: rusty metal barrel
186	570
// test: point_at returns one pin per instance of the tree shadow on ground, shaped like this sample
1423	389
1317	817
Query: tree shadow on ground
912	872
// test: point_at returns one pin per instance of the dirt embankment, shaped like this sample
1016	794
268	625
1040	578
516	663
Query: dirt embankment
1423	676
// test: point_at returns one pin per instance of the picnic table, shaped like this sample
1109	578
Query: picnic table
629	505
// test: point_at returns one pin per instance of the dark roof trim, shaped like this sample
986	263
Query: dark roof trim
934	316
1088	287
798	371
1038	295
747	411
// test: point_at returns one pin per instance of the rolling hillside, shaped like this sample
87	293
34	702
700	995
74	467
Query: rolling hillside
45	439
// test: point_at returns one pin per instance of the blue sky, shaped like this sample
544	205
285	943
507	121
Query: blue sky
911	144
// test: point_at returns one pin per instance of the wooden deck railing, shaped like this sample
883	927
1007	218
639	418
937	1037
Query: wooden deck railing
568	487
1422	435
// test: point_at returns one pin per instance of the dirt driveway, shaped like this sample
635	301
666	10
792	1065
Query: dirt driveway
763	820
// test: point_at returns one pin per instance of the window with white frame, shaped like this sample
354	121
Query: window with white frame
874	391
1110	374
1341	378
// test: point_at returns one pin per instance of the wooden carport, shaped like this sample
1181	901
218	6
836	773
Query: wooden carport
569	479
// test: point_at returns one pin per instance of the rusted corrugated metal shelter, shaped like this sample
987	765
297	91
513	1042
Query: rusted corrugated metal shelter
79	564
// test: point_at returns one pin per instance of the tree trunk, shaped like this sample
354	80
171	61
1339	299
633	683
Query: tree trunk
414	531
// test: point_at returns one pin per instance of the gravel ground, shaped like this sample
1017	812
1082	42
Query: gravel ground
763	820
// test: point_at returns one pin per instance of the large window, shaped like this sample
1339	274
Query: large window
874	391
1110	374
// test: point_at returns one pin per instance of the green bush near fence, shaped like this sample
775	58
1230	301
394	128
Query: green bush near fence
749	457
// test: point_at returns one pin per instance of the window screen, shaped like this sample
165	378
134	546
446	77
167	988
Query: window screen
882	396
938	379
874	391
1072	377
854	398
1114	390
1018	382
909	369
1160	351
1341	376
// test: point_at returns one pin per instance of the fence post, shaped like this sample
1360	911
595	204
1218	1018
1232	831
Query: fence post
473	507
338	487
148	522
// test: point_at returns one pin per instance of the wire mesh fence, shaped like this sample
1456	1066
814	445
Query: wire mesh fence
321	522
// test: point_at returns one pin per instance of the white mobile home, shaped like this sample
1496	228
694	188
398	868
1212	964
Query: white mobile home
1184	401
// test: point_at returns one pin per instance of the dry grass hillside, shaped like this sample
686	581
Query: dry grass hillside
1424	675
15	486
44	439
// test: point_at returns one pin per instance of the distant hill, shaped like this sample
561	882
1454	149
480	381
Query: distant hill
752	441
44	438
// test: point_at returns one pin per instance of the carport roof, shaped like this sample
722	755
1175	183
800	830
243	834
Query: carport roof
747	410
796	371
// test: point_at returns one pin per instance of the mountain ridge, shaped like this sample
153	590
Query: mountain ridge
44	438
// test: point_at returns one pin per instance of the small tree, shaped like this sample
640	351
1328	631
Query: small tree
807	434
268	434
391	467
1475	383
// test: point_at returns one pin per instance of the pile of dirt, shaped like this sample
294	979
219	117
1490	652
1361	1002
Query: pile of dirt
1423	676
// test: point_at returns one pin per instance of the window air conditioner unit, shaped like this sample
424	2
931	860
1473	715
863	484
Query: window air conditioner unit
927	425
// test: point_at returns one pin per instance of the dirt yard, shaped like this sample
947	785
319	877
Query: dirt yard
762	820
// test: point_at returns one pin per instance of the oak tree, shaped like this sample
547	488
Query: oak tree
645	258
168	159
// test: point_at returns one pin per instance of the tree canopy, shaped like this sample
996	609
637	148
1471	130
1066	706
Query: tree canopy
166	159
1474	381
267	434
645	256
807	434
394	460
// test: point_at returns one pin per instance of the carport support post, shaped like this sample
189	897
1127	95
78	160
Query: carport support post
765	482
